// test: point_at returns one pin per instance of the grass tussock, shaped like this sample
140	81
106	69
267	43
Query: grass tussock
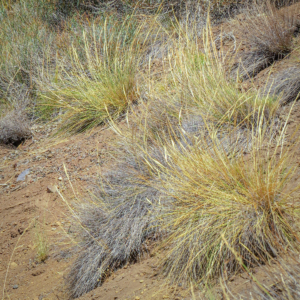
285	84
14	127
210	195
197	83
268	33
115	226
99	81
41	242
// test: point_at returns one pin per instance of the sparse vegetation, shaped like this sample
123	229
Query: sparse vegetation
203	162
41	242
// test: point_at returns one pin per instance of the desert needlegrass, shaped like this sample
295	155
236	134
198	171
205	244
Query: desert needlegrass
197	83
210	194
99	81
269	34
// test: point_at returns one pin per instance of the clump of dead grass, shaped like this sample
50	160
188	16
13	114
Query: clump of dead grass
285	84
268	34
14	127
115	226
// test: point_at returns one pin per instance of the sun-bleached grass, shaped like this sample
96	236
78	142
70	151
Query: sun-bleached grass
197	83
286	84
116	225
14	127
268	33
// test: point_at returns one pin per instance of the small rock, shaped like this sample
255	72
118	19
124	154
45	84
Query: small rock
166	297
13	265
51	188
137	298
22	176
15	286
60	178
141	281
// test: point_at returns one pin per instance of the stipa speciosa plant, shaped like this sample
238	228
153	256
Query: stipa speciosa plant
268	34
14	127
210	196
115	226
100	80
197	82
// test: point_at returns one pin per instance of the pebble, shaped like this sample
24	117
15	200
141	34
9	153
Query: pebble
60	178
13	265
22	176
51	189
15	286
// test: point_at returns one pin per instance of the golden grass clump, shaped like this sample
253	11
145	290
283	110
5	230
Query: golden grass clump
213	201
99	81
41	242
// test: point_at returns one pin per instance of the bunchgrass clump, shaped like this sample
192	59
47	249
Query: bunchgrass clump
268	33
197	83
212	196
285	84
99	81
14	127
115	225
